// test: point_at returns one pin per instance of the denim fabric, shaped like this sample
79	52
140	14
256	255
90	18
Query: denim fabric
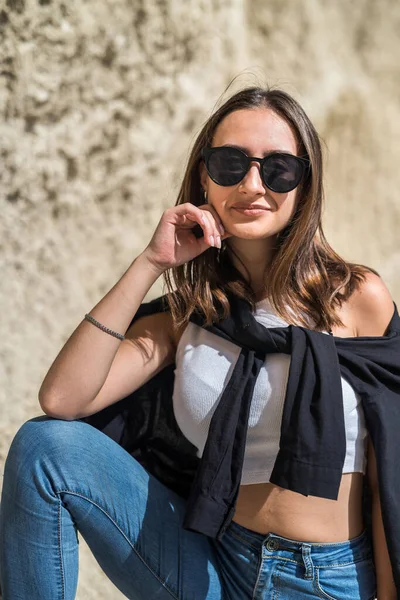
64	476
283	569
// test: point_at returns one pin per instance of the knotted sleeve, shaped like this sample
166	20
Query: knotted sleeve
312	443
372	366
216	484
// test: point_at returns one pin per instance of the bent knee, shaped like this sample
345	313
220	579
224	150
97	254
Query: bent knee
44	435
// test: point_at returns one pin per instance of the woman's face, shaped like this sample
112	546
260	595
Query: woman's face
257	132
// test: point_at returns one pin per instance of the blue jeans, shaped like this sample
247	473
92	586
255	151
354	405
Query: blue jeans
64	476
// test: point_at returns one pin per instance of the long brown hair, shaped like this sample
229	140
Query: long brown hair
307	278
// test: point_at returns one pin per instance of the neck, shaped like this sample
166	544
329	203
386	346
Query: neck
253	259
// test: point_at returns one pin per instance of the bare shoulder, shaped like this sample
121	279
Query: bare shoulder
371	307
158	328
153	331
156	323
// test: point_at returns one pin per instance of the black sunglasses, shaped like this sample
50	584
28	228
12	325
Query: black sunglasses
280	171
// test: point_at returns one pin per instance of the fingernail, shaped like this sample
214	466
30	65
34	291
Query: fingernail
212	240
218	242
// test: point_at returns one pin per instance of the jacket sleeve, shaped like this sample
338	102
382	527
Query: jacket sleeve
383	422
373	369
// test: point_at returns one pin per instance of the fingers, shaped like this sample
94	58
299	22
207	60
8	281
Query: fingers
219	230
220	233
209	222
215	236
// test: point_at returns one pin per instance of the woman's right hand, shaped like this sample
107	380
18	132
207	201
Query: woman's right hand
174	242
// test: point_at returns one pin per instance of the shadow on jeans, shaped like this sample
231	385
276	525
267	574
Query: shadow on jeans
189	564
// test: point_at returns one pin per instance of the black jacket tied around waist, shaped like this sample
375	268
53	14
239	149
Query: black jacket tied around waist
312	441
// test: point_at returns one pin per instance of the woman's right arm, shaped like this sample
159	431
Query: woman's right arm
75	385
95	369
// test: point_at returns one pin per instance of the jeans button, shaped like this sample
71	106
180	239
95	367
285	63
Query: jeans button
272	545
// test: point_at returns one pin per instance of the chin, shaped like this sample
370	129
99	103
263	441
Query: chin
248	231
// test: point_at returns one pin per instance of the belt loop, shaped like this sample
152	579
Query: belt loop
307	560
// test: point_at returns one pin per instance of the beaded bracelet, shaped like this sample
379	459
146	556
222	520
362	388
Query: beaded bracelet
103	328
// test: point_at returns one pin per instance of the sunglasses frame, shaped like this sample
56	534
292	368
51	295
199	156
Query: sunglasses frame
304	163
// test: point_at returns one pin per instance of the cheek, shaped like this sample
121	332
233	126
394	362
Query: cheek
220	197
286	203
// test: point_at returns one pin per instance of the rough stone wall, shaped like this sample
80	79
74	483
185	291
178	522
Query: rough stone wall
99	103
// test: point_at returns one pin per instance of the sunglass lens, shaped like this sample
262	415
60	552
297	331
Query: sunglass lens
227	166
282	173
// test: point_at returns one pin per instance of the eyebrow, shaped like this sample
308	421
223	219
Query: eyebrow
246	150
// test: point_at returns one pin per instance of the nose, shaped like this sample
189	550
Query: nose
252	182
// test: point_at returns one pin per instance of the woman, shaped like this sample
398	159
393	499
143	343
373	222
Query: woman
247	225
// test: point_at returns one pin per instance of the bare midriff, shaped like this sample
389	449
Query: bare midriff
268	508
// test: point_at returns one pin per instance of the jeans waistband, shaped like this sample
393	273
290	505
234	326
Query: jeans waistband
352	550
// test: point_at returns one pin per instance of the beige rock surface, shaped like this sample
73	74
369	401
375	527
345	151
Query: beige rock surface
100	101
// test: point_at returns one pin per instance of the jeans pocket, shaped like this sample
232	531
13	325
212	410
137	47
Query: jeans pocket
352	581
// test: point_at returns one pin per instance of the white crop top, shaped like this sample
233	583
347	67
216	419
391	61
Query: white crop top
204	365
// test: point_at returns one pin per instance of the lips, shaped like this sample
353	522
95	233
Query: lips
251	207
251	211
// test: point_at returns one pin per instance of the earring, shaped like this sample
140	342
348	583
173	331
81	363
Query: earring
205	197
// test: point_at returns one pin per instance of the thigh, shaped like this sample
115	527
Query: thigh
240	559
131	522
